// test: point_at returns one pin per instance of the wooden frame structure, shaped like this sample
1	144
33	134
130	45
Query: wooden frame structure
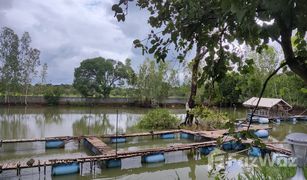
271	108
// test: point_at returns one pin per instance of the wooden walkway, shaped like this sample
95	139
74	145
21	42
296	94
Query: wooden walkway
69	138
153	133
97	146
222	132
110	155
62	138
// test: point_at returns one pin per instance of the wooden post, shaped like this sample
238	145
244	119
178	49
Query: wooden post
1	143
94	162
81	168
39	166
45	168
116	132
91	167
18	169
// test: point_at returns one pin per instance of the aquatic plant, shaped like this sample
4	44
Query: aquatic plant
158	119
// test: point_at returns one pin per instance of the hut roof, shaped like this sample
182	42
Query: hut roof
267	103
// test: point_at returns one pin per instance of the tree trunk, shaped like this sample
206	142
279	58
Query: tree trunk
26	94
193	89
297	64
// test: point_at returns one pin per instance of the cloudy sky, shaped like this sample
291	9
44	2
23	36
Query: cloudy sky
68	31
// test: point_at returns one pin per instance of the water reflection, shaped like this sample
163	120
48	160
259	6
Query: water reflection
34	122
92	124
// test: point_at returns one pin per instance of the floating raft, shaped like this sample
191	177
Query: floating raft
104	152
111	155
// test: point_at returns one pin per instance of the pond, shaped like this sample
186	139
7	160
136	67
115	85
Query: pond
35	122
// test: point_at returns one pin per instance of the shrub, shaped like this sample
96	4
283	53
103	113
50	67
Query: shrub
52	96
158	119
210	119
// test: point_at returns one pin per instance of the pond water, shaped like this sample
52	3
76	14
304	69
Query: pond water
36	122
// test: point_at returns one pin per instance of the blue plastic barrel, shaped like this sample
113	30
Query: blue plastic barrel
254	151
262	133
206	150
63	169
54	144
118	140
167	136
154	158
263	120
227	146
186	136
113	163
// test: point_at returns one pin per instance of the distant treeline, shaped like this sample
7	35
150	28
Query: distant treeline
150	84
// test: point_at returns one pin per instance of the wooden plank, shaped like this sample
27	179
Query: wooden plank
101	147
64	138
141	134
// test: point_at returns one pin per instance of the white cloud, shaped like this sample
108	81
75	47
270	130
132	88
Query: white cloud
68	31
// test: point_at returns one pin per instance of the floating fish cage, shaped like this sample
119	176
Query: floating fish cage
167	136
119	140
52	144
65	168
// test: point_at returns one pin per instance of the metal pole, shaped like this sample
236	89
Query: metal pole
116	132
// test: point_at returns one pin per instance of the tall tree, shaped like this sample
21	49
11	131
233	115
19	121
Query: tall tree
154	81
185	26
10	65
43	73
29	58
98	76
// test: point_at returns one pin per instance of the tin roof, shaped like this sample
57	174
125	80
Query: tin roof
266	102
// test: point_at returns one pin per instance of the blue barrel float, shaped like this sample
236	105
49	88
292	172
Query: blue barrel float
262	133
206	150
167	136
227	146
263	120
154	158
254	152
118	140
51	144
232	145
63	169
186	136
113	163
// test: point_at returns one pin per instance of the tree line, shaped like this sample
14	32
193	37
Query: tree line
19	64
153	82
149	84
